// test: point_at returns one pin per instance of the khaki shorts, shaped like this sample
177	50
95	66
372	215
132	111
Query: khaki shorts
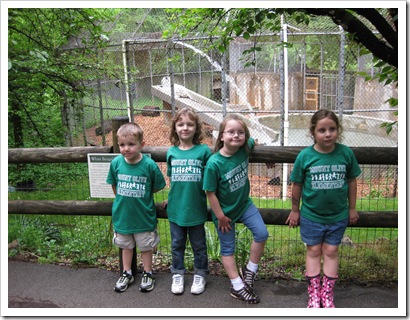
146	241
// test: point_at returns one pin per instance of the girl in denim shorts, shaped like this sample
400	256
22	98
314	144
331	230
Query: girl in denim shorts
324	176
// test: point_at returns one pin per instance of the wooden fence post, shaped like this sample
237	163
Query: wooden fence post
116	124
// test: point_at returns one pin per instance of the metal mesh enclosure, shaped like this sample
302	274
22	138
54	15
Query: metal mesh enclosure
277	95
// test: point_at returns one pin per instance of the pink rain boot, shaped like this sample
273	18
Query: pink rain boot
327	292
314	291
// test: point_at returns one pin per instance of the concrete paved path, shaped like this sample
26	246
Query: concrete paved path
38	289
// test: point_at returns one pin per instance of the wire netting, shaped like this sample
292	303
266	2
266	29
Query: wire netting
88	239
316	68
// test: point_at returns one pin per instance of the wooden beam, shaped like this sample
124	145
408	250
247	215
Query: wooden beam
371	219
261	154
54	155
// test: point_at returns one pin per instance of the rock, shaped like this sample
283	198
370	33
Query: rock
14	244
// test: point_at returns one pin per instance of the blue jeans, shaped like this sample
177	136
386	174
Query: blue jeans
197	239
252	219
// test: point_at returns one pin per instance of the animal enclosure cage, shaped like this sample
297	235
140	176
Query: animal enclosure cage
276	95
321	67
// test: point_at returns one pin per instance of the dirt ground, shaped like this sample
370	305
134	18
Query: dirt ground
156	133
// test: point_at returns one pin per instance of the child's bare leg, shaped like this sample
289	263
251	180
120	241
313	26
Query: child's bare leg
230	266
146	257
330	260
257	249
313	256
127	258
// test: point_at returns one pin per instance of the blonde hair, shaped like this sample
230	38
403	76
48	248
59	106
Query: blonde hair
191	113
131	129
233	116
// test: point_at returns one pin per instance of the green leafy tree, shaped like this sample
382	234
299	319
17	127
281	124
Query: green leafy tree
222	25
45	80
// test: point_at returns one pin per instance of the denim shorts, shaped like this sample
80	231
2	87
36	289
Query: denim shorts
252	219
313	233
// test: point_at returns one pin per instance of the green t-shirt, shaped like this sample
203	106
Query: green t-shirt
323	177
228	178
133	210
186	200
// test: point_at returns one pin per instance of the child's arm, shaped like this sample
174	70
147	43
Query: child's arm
114	189
157	179
223	220
294	215
165	202
353	215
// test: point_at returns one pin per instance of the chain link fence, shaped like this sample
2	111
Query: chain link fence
296	72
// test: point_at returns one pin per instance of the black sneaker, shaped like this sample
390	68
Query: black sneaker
245	295
248	278
123	282
147	282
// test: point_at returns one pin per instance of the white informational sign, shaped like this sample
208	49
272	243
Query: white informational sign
98	166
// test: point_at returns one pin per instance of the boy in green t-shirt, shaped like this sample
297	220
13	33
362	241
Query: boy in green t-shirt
134	179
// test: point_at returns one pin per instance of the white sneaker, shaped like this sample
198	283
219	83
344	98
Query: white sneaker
198	285
177	284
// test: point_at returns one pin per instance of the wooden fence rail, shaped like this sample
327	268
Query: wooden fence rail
385	219
386	156
261	154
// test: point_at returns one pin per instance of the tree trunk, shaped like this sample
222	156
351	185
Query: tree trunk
17	125
65	118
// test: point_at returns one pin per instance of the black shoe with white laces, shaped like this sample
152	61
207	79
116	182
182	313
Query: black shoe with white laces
248	277
123	282
245	295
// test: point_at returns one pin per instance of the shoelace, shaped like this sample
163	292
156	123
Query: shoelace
249	277
146	278
197	279
123	278
246	294
177	280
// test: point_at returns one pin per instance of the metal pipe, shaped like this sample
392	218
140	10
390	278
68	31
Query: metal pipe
286	108
340	93
127	77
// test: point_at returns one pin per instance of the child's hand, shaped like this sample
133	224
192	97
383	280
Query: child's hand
353	216
293	219
164	204
224	224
